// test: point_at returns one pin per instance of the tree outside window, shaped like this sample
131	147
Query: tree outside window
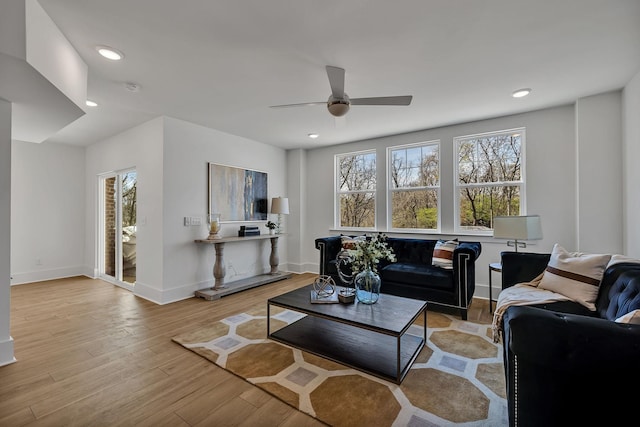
490	178
414	186
356	190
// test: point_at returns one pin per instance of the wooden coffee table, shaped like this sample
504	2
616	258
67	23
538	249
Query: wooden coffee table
370	338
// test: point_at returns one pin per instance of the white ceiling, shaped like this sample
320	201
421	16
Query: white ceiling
222	63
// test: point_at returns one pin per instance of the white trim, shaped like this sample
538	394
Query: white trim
457	187
390	189
6	352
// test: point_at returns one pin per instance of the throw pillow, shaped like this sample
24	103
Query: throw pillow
349	242
617	259
631	317
575	275
443	253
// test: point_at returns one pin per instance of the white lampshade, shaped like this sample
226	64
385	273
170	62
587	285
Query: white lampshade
280	205
526	227
517	228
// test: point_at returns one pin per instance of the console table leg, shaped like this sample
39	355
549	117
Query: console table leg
219	270
273	259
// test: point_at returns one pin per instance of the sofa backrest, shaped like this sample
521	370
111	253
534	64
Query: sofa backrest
412	251
619	291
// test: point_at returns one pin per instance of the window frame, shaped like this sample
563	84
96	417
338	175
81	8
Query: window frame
390	190
337	192
457	187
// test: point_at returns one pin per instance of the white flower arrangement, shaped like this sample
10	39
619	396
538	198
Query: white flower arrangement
367	253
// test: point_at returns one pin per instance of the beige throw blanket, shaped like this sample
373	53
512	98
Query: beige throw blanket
521	294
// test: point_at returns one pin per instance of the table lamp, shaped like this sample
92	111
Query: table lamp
516	228
279	206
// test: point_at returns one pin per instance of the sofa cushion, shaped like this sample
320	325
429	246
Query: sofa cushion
575	275
417	275
443	253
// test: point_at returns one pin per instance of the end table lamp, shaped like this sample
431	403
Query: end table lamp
516	228
279	206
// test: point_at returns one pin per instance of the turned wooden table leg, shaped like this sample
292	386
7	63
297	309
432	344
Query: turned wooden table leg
219	270
273	259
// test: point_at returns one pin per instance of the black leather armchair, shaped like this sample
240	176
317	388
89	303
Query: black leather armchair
566	365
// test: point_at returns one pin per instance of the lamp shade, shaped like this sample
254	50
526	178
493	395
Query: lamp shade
280	205
525	227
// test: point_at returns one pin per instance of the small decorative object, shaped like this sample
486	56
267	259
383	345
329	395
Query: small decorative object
271	226
343	265
365	256
324	290
324	286
367	284
347	295
214	226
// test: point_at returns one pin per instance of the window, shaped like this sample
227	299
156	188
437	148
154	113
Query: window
414	186
356	190
489	178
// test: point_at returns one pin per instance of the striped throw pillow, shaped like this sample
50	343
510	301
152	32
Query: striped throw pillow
443	253
575	275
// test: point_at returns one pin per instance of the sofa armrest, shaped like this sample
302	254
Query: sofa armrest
464	272
518	267
329	248
551	356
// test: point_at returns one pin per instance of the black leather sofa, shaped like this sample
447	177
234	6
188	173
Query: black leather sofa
566	365
413	274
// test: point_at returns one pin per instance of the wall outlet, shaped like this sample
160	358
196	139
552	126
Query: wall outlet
38	261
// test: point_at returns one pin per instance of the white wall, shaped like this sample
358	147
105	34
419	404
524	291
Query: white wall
140	148
631	171
599	173
47	211
171	158
551	174
187	150
6	342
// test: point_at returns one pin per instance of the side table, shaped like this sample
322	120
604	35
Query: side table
497	267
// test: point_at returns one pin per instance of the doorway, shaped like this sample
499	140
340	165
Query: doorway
117	228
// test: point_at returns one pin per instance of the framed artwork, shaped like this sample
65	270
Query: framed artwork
237	194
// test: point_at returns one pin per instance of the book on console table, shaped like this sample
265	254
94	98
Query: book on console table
245	233
331	299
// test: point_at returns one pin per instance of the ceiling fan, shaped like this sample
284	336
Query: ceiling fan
338	103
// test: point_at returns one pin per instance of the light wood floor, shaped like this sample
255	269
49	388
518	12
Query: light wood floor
92	354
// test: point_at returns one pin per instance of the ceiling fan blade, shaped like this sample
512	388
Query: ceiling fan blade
383	100
302	104
336	81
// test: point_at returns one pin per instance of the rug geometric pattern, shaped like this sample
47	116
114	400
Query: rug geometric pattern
457	379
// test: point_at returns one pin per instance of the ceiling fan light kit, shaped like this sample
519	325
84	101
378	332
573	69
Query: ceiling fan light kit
339	103
338	107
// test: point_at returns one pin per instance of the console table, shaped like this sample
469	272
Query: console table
219	288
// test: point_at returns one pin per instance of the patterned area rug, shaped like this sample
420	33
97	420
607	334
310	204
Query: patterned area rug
458	378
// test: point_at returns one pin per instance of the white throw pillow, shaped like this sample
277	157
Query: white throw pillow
443	253
617	259
631	317
575	275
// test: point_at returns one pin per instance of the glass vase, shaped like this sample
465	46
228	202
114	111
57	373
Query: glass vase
367	284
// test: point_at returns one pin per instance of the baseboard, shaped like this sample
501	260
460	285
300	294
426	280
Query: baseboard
42	275
6	352
307	267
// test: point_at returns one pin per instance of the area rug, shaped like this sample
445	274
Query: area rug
458	378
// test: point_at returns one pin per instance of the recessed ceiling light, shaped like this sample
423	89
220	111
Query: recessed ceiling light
91	103
313	135
110	53
521	92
